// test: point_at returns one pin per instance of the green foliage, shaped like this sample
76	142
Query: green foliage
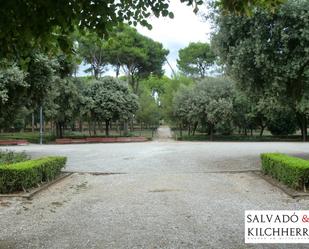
267	54
28	174
282	122
247	6
109	99
185	106
12	92
210	102
245	115
52	21
292	171
31	137
138	55
92	49
40	77
149	111
196	59
9	157
171	87
64	103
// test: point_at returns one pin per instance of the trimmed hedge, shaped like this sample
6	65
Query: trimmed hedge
27	174
291	171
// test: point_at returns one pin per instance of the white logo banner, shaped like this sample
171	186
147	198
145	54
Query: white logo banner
276	226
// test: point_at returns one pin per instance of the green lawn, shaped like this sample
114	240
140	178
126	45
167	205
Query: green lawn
34	137
237	137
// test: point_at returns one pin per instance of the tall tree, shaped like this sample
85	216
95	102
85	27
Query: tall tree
139	56
196	59
267	54
92	49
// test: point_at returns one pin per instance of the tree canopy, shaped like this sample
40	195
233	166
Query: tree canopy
267	53
138	55
195	59
31	24
110	99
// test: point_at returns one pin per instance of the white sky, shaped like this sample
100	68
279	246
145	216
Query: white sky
174	33
178	32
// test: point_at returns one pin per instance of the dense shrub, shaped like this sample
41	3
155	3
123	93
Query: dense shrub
282	123
27	174
7	157
291	171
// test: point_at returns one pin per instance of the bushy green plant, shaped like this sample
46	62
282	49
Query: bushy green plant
27	174
291	171
8	157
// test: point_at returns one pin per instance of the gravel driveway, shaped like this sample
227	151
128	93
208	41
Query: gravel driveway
170	195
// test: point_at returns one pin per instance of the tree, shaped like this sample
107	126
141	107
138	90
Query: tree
283	122
53	20
13	88
214	101
171	87
138	55
92	49
149	111
40	78
185	108
196	59
64	104
110	99
267	54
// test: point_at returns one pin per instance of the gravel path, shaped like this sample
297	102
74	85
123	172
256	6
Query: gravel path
170	195
164	134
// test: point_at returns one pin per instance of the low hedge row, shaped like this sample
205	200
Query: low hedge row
291	171
27	174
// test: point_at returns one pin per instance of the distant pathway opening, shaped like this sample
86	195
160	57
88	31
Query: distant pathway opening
164	134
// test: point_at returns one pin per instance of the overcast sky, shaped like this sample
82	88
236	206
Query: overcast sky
175	33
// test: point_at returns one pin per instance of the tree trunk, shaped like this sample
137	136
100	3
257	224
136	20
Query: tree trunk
262	130
32	122
61	130
251	132
117	71
94	128
302	122
211	129
180	131
89	127
125	128
107	127
80	126
194	128
304	129
101	126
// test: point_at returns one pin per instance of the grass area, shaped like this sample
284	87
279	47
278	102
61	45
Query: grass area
136	133
237	137
292	171
34	137
8	157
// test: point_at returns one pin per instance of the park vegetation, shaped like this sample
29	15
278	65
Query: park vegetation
266	75
251	78
291	171
21	176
